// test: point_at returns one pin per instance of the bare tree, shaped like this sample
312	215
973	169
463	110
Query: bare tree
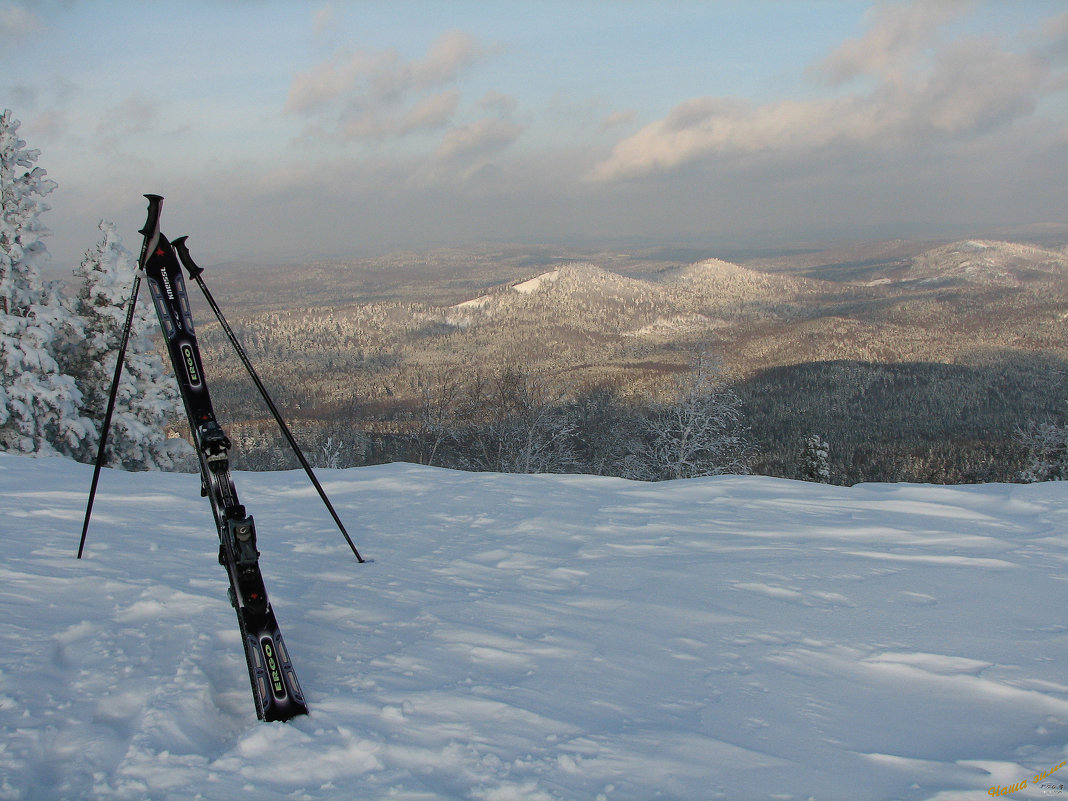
699	432
439	395
1047	447
515	424
608	433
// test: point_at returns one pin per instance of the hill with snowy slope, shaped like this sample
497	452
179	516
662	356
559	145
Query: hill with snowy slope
585	295
537	637
991	263
719	281
606	319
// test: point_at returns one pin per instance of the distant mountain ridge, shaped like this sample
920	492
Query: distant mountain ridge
991	263
935	306
974	333
555	290
724	276
380	331
711	282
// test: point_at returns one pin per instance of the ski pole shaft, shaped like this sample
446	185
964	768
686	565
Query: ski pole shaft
110	410
150	231
194	273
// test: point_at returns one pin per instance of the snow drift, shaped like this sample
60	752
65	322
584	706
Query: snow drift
537	637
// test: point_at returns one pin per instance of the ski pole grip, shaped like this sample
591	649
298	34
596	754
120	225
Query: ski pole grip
187	260
155	207
151	229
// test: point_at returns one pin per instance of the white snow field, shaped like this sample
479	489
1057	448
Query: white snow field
538	637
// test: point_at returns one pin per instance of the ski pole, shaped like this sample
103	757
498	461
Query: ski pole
194	273
151	237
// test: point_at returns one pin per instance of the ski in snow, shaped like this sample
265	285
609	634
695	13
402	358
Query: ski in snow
274	681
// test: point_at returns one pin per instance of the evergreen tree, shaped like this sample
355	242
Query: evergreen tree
147	397
39	405
815	460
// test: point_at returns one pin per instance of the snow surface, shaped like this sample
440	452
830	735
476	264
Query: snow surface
536	283
537	637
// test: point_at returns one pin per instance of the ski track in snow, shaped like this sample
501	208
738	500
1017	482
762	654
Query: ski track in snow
536	638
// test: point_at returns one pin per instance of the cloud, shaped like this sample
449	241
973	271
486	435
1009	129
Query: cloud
16	20
324	19
1055	31
51	124
426	113
897	36
917	89
346	75
498	103
479	138
619	118
368	94
431	112
136	114
447	57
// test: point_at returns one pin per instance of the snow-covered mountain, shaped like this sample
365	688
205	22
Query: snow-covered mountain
715	280
537	638
687	301
720	280
634	323
558	292
988	262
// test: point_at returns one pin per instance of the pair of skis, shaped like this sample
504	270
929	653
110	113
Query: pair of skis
274	682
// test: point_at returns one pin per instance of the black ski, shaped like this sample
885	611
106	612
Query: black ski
274	681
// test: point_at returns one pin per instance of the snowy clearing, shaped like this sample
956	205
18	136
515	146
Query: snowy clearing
537	637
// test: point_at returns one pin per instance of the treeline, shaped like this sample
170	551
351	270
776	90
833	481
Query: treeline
516	421
920	422
917	422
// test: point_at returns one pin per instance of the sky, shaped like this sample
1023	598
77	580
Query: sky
282	131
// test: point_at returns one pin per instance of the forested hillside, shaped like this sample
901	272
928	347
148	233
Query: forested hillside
909	421
917	362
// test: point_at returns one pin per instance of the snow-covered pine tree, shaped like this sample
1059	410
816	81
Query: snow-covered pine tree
147	397
39	405
815	460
